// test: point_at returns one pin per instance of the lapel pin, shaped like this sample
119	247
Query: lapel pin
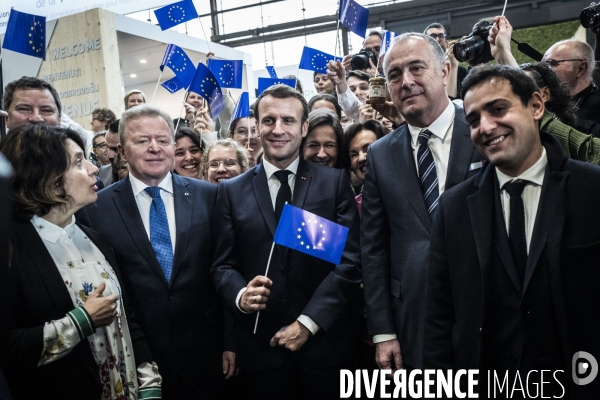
303	178
186	194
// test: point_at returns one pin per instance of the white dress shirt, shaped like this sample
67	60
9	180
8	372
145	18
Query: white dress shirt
350	104
439	143
531	194
144	201
274	185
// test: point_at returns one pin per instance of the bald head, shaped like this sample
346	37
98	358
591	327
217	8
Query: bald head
573	62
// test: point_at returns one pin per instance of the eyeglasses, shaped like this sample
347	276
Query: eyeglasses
244	133
230	164
556	63
100	145
438	35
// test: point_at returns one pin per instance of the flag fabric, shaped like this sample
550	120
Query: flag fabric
242	108
26	34
354	16
271	71
172	85
306	232
265	83
227	72
175	14
388	37
179	62
207	86
315	60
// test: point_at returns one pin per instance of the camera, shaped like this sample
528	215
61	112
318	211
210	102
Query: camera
590	16
360	61
475	48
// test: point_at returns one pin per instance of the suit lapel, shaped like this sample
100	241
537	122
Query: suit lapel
303	178
403	155
263	198
184	215
131	219
461	151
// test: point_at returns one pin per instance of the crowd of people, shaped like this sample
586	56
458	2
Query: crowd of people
139	270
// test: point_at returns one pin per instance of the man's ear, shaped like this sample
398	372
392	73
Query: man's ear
121	150
305	128
537	103
545	92
583	67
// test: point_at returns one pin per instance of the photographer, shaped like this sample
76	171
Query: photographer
366	59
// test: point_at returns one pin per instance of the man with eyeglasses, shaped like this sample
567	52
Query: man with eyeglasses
99	149
573	62
101	118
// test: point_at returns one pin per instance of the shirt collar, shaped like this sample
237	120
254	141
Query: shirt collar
535	173
439	127
270	169
50	232
138	186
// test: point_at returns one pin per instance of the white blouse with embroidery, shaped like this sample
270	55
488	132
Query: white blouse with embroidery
83	267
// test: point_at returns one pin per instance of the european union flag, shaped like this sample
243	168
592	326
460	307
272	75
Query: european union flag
388	37
175	14
306	232
172	85
227	72
354	16
26	34
179	62
315	60
271	71
265	83
207	86
242	108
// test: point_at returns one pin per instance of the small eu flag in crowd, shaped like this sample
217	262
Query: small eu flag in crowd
26	34
271	70
227	72
306	232
175	14
179	62
388	37
265	83
172	85
354	17
242	108
315	60
206	85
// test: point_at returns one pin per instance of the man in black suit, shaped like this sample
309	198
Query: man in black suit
514	251
306	328
402	184
170	290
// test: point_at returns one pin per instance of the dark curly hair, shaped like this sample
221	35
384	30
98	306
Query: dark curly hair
40	158
560	100
351	132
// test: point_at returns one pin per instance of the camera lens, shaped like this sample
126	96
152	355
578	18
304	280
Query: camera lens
359	61
469	49
590	17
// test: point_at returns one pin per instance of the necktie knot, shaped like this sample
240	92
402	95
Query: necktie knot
282	175
515	188
423	137
153	191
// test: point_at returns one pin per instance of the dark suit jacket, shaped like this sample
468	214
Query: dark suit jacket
182	319
563	255
244	228
395	233
38	295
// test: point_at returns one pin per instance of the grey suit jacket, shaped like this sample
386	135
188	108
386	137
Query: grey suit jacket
395	233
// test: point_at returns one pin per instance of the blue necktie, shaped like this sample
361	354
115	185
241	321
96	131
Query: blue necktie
427	173
160	236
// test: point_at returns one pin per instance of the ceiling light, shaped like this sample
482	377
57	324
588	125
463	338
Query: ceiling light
143	61
132	75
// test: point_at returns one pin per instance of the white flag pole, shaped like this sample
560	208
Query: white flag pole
156	88
266	272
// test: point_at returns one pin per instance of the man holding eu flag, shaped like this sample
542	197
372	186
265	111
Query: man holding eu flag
306	330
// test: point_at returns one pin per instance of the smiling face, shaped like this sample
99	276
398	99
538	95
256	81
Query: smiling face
358	152
240	134
320	146
195	100
417	81
148	149
281	129
323	84
359	87
223	156
79	181
32	106
504	130
188	158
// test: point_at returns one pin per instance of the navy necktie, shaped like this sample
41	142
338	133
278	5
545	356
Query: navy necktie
284	194
516	227
427	173
160	236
